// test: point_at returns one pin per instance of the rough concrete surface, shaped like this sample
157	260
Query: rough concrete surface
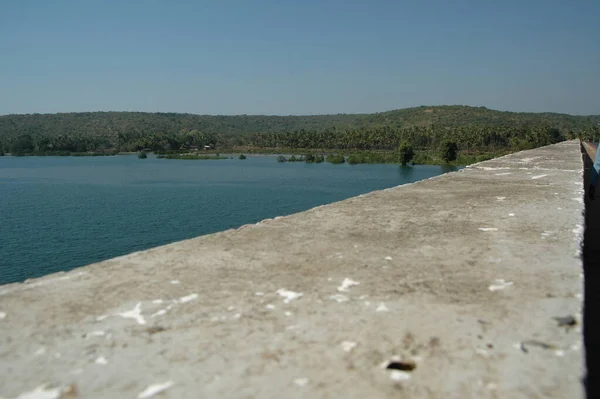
460	276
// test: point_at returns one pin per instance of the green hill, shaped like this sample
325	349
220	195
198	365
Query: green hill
474	129
111	123
459	115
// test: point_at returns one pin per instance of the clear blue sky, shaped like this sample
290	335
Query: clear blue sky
298	56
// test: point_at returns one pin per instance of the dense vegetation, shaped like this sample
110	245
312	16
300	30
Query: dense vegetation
423	134
335	158
312	158
406	152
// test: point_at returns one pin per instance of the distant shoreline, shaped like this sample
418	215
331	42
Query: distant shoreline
350	156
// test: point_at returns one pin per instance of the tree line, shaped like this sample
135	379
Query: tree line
467	138
473	130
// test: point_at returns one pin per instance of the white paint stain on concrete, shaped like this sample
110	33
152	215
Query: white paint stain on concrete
347	346
101	360
546	233
157	301
338	298
270	306
500	198
187	298
175	282
259	293
161	312
96	333
289	295
346	284
578	199
388	258
40	352
578	231
399	375
301	381
537	177
135	313
503	174
2	315
381	308
288	314
488	229
500	284
511	214
155	389
482	352
42	392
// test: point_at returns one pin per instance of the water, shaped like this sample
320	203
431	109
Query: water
58	213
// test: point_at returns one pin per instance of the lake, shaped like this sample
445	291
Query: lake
58	213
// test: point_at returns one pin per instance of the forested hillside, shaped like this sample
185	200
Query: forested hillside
473	129
457	115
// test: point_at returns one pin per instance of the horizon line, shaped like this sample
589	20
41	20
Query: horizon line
301	115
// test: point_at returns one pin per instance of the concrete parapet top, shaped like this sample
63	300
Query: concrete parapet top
457	281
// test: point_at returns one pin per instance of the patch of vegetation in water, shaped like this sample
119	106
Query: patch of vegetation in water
335	159
373	157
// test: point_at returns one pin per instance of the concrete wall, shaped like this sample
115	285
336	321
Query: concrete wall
466	285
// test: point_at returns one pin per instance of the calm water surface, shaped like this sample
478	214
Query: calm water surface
58	213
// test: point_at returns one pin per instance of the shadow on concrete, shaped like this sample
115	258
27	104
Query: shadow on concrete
591	267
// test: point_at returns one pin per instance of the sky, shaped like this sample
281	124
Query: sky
298	57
